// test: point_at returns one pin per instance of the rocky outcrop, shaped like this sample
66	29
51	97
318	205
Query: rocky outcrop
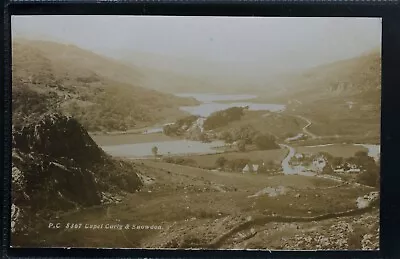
58	136
56	166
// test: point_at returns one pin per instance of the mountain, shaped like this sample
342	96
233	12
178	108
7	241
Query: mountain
339	98
346	78
52	159
101	93
190	74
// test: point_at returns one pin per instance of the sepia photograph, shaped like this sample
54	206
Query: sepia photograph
196	132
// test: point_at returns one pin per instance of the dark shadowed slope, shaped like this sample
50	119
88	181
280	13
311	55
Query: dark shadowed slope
57	167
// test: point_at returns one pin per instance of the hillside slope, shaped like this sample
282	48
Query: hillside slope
339	98
93	89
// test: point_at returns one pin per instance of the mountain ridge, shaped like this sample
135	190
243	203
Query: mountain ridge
46	76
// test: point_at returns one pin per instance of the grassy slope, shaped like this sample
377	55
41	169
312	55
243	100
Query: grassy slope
101	93
276	124
197	204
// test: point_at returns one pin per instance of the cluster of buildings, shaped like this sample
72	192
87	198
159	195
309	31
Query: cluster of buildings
317	164
260	168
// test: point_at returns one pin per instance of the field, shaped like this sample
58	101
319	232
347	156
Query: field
121	139
275	155
338	150
277	124
195	206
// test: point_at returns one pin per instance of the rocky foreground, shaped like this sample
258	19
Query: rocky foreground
57	167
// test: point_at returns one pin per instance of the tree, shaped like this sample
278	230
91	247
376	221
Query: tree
154	150
241	145
239	164
370	178
220	163
265	142
337	161
246	133
203	137
167	130
326	155
227	137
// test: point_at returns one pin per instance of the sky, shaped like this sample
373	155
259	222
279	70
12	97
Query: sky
289	43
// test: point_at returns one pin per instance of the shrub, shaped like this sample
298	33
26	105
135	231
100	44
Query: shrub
245	133
220	162
369	177
337	161
227	137
241	145
237	164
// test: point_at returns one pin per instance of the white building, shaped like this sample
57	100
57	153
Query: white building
250	168
298	156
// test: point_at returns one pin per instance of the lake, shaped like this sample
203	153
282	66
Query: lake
210	103
173	147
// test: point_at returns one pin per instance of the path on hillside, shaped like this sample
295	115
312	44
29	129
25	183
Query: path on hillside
217	242
305	128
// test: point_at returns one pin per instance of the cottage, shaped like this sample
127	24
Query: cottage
250	168
353	170
339	170
298	156
347	168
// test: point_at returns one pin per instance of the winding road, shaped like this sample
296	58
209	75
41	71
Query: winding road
305	128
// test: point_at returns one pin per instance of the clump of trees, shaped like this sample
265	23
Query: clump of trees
236	165
180	161
370	174
222	118
248	135
264	142
369	168
180	126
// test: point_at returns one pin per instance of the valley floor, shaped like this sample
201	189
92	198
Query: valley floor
196	208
